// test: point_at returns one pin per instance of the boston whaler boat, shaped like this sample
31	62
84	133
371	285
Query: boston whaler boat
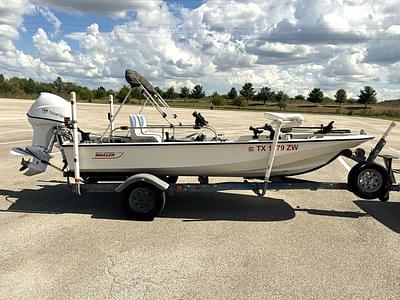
147	159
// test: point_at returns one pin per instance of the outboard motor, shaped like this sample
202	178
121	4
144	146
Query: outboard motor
45	114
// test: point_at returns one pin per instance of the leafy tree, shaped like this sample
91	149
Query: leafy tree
136	94
247	91
3	84
316	96
160	91
100	93
232	94
367	96
85	94
58	84
29	86
265	94
281	97
340	96
300	98
185	92
170	94
122	93
198	92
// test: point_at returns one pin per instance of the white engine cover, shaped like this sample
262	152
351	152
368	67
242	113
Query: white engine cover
47	112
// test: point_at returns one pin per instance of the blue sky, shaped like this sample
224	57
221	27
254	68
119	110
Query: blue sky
72	22
291	45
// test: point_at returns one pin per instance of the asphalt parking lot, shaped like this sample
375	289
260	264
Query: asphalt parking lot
287	245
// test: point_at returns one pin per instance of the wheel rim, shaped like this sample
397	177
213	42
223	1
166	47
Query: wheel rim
142	200
370	181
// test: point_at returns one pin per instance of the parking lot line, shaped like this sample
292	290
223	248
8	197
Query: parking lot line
14	142
344	164
390	148
14	131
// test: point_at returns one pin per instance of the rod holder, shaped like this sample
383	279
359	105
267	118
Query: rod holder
77	176
111	116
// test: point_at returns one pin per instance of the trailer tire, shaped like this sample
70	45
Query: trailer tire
369	181
143	201
351	176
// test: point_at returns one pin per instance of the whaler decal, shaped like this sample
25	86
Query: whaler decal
107	155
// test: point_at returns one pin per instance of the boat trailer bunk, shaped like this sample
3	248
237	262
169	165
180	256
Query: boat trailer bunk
145	194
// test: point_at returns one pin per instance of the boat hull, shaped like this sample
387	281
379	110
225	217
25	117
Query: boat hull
227	159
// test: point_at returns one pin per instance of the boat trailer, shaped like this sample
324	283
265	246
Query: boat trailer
144	194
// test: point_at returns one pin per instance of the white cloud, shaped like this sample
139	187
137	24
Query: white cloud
291	45
348	65
118	8
14	62
50	51
12	12
51	18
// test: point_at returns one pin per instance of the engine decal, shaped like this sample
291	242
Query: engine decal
55	114
107	155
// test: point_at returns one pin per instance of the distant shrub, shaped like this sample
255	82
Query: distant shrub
239	101
218	100
282	105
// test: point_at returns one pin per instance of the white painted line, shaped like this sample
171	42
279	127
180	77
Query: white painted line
16	130
14	142
394	149
345	164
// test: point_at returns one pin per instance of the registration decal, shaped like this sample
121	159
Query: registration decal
279	147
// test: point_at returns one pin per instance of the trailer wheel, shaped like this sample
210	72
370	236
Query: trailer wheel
369	181
350	177
144	201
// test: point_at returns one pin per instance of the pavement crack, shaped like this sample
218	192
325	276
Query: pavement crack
109	272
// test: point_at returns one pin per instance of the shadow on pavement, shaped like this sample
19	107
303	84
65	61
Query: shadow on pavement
332	213
226	206
57	199
387	213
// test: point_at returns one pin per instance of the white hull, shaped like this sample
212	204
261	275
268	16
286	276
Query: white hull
228	159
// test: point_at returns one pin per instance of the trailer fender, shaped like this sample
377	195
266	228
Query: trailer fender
143	177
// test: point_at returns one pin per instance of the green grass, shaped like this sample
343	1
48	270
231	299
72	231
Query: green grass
385	110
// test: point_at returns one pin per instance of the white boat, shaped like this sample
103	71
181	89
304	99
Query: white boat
210	158
281	146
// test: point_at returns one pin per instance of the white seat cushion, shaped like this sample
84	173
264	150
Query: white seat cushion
139	132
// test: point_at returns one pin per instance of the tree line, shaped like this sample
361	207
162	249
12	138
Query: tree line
22	87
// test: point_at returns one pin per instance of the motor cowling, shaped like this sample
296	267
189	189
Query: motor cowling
45	114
